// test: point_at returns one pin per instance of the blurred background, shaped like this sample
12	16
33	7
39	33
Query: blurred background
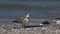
49	9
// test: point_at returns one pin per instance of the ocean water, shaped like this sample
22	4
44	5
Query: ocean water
38	9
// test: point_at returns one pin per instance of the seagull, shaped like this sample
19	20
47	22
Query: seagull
24	19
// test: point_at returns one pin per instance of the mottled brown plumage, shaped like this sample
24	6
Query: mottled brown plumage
23	19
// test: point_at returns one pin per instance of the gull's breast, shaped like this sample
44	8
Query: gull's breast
26	19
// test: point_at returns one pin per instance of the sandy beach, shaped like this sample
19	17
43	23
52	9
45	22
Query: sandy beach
15	28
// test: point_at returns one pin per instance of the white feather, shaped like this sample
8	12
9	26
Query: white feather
28	15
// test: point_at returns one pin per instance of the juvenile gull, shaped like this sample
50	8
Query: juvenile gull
24	19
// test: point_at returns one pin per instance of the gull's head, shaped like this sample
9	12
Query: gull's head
26	18
28	15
